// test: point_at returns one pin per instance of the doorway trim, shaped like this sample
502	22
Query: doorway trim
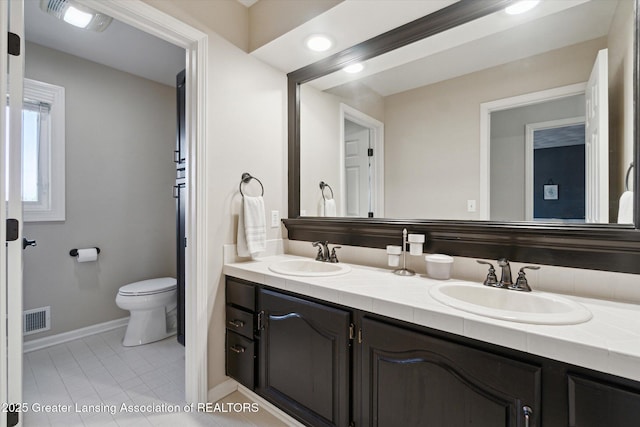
377	138
529	148
487	108
159	24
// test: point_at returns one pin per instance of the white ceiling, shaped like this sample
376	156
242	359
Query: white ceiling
120	46
483	43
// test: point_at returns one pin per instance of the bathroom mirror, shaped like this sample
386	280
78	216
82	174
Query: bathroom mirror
598	245
475	122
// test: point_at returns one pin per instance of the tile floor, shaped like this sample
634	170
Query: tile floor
93	377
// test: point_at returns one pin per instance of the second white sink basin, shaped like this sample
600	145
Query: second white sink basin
308	268
514	306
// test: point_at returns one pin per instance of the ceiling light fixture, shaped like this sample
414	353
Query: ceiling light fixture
521	7
319	43
354	68
76	15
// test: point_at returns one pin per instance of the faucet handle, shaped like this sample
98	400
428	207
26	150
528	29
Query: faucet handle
334	257
319	255
492	279
521	282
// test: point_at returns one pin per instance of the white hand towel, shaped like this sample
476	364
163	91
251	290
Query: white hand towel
330	207
252	227
625	208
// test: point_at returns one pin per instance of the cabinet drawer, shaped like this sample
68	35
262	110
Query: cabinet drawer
240	321
241	294
240	359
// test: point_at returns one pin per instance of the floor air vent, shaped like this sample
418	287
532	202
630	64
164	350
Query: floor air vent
36	320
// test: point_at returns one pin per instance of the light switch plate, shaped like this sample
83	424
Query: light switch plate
275	219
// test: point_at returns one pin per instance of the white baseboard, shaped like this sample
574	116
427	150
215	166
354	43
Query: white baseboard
270	407
51	340
222	390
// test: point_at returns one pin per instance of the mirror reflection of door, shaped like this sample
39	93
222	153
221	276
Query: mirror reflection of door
362	164
358	154
555	170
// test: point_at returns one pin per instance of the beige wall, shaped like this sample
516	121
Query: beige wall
320	148
432	152
227	18
120	133
621	44
269	19
246	110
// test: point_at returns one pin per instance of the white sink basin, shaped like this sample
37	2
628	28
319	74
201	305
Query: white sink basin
514	306
308	268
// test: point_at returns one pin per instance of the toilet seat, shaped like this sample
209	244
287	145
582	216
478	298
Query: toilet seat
149	287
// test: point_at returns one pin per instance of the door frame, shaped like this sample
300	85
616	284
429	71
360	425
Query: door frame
377	138
159	24
529	148
486	108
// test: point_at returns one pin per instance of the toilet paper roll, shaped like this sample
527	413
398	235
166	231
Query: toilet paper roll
89	254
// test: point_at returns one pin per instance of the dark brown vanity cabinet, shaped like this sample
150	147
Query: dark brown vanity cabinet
304	358
241	327
594	403
329	365
412	379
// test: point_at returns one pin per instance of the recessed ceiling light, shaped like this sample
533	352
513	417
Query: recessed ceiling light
75	14
521	7
354	68
319	43
77	17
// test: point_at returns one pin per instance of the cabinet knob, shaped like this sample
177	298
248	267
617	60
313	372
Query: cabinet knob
527	412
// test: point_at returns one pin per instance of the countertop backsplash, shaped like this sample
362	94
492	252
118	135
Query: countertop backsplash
563	280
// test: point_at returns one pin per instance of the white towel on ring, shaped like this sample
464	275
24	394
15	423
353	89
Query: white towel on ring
252	227
625	209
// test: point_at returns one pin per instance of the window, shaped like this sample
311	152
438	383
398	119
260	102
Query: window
43	153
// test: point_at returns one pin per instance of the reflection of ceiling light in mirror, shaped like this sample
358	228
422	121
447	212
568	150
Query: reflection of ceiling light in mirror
355	68
77	15
319	43
521	7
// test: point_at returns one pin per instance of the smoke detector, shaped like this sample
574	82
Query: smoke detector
75	14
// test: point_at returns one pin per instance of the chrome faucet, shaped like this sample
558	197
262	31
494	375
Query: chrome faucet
324	254
506	282
505	279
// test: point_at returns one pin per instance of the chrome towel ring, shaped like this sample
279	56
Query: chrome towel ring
246	177
324	185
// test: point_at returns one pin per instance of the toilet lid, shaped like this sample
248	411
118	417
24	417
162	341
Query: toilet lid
149	287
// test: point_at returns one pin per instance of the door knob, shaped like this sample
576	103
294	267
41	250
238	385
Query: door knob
26	242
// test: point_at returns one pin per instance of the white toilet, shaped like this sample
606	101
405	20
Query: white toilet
152	304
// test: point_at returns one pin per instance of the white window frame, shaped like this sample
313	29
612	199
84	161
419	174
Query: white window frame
52	155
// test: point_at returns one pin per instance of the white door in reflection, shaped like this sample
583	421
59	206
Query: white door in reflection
357	163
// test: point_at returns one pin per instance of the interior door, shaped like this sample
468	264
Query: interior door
11	59
597	142
357	169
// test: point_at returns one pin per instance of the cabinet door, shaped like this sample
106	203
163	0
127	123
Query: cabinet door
412	379
304	358
597	404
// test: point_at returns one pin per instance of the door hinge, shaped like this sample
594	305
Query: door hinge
12	418
352	424
370	152
360	336
13	44
352	331
13	229
261	324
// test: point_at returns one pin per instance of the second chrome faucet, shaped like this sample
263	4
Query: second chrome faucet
506	280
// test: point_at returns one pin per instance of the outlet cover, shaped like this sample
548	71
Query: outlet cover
471	205
275	219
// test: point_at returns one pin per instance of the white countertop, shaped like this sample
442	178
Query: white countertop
609	342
